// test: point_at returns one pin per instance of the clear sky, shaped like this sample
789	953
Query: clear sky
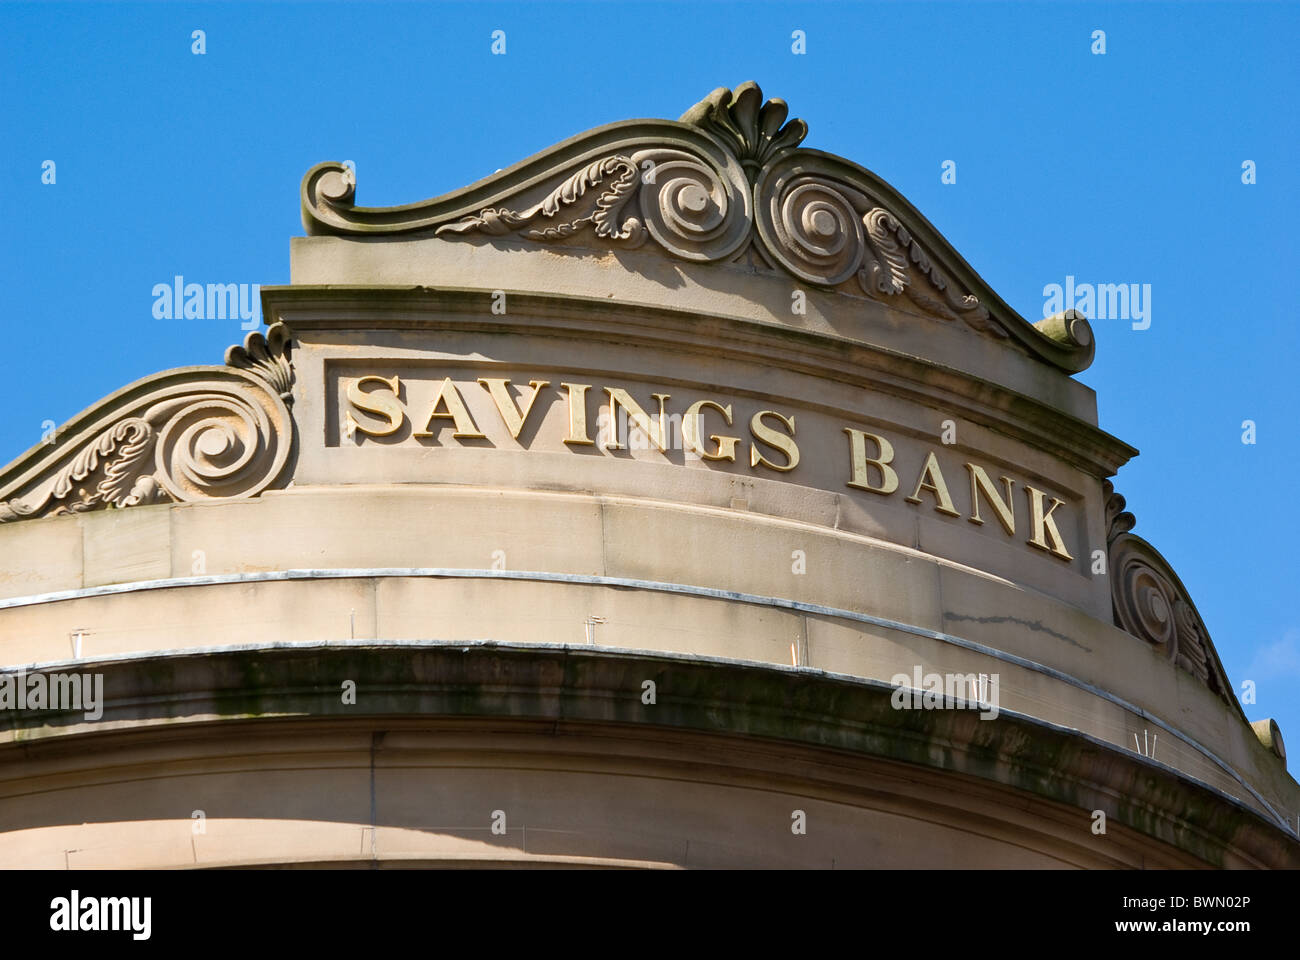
1124	167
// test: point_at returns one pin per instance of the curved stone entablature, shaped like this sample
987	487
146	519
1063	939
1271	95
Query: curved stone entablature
1151	602
195	724
190	434
726	183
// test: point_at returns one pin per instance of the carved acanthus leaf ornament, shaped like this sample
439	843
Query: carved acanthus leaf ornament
728	177
196	433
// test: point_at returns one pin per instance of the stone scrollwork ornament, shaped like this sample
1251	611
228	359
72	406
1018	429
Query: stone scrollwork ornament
1151	603
613	180
691	207
192	434
729	176
896	263
816	228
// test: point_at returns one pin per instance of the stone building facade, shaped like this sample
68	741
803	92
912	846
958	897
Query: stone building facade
675	497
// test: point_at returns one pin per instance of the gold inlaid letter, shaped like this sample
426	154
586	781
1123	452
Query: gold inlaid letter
449	397
514	417
692	429
772	438
858	449
980	483
578	414
657	432
1041	522
932	479
376	403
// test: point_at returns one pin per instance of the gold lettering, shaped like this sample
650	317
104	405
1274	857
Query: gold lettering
772	438
514	416
932	479
980	483
578	414
858	449
770	430
691	430
388	407
449	397
657	432
1041	522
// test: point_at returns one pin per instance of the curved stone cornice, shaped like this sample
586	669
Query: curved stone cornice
1151	603
726	179
741	715
193	433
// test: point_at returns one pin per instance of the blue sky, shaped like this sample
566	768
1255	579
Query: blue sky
1121	168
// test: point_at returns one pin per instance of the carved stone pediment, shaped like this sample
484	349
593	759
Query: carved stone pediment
194	433
1151	603
727	182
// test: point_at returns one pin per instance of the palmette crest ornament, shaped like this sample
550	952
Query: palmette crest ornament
758	131
730	184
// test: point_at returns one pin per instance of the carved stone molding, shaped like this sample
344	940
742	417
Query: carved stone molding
1151	603
728	177
197	433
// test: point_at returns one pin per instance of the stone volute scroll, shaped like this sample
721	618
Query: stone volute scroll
727	182
1151	603
183	435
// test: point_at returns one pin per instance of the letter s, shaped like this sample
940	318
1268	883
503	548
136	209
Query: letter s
376	403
